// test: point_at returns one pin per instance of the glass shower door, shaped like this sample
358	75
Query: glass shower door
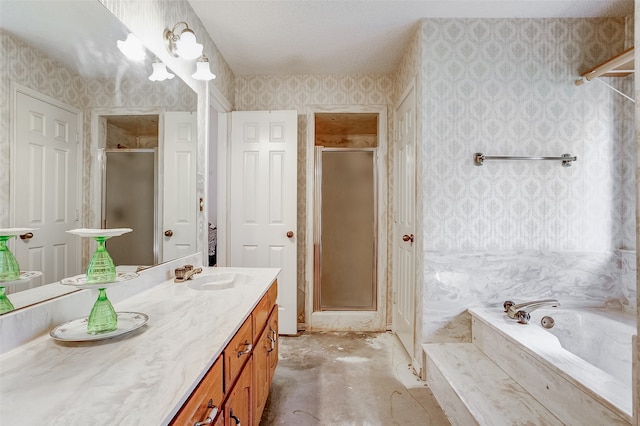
129	202
347	231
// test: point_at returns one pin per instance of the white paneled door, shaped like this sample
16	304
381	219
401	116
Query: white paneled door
263	200
404	243
179	202
45	177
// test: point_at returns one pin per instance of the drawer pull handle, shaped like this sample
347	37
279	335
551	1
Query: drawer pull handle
275	335
212	415
237	420
249	346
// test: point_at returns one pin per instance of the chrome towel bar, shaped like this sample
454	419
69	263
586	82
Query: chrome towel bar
479	158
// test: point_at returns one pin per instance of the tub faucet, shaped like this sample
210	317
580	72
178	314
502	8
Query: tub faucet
522	311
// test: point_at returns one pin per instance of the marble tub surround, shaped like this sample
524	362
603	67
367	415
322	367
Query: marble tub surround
23	325
455	281
140	378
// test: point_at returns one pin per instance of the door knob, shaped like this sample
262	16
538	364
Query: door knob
406	238
290	234
168	233
27	236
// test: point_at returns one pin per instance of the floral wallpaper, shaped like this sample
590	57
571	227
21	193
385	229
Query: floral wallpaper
506	87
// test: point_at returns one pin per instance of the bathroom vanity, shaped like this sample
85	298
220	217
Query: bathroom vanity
206	355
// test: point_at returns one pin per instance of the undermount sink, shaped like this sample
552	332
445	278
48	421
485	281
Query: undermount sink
216	281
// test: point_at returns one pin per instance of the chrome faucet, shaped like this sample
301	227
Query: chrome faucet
522	311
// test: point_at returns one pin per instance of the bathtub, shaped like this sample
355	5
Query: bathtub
580	369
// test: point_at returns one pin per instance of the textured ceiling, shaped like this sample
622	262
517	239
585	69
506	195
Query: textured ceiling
274	37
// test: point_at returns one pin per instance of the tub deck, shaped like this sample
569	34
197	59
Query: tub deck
472	390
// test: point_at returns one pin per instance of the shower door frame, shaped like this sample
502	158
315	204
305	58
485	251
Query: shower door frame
317	234
348	320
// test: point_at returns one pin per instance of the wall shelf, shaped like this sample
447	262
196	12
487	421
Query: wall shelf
620	65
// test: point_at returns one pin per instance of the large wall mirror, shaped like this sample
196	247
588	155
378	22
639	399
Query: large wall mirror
89	142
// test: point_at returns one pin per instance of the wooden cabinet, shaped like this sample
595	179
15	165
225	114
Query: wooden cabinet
239	381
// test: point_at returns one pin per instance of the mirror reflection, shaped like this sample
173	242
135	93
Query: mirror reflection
93	143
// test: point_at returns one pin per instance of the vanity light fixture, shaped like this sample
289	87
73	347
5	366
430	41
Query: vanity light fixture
203	72
132	48
182	44
160	72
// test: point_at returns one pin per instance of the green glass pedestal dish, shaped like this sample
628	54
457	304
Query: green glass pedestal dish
9	269
5	303
103	317
101	268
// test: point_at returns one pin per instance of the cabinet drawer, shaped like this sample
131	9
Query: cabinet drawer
207	395
260	316
272	294
262	311
237	353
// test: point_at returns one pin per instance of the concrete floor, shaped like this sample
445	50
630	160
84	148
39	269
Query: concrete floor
337	378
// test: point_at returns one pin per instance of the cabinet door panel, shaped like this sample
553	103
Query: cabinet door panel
238	408
261	368
272	329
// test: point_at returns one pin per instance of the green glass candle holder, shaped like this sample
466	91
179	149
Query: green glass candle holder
103	317
9	269
101	268
5	303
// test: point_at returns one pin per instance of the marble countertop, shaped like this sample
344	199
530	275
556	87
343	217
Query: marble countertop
143	377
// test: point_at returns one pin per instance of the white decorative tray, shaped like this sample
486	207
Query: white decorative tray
16	231
80	281
76	330
89	232
25	277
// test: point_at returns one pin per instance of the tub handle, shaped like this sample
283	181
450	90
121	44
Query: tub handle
507	305
523	317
